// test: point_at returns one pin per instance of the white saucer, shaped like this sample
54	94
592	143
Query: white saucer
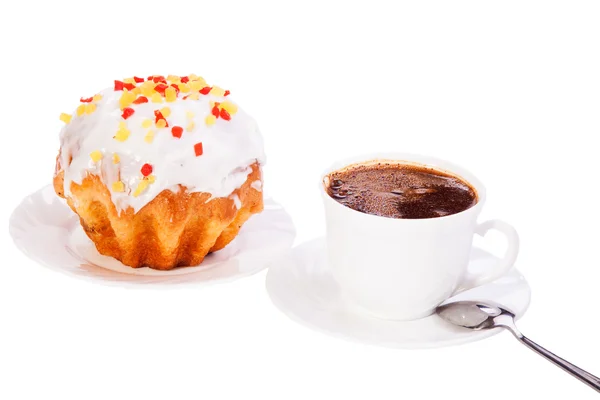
301	286
48	231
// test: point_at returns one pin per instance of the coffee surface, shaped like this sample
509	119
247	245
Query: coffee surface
400	191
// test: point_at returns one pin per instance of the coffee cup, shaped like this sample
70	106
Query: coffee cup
402	269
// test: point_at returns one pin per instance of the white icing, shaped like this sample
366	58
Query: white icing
236	201
256	185
229	148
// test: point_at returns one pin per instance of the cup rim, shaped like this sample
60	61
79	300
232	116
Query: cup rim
439	164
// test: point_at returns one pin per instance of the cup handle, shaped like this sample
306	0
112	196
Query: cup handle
504	264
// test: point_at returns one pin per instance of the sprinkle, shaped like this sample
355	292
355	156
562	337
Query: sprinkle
126	99
118	85
229	106
195	85
215	110
151	178
118	186
205	90
161	123
66	118
165	111
198	149
160	88
88	100
190	126
158	115
172	78
138	80
80	110
225	115
122	133
147	88
184	88
127	112
136	90
149	136
141	187
176	87
227	93
96	155
140	100
129	86
129	80
97	97
146	169
158	78
171	94
156	98
210	120
185	79
177	131
90	108
193	77
147	123
217	91
116	158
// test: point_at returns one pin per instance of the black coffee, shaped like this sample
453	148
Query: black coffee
400	191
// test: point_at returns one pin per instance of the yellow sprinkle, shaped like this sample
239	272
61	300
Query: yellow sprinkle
147	123
118	187
184	88
161	123
141	187
189	114
151	178
194	96
170	94
165	111
210	120
137	91
96	155
66	118
97	97
122	125
147	88
80	110
193	77
172	77
116	158
149	136
156	98
217	91
90	108
190	126
195	85
229	107
129	80
126	99
123	133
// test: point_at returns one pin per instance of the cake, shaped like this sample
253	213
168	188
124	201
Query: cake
160	170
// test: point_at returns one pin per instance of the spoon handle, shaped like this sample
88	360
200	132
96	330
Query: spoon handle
584	376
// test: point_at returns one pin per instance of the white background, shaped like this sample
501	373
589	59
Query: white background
510	90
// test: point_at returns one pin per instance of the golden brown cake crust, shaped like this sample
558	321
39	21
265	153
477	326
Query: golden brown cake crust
174	229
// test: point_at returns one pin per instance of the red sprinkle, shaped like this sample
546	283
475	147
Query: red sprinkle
138	80
158	78
176	87
160	88
129	86
177	131
227	93
140	100
205	90
198	149
158	115
127	112
215	110
225	115
88	100
118	85
146	169
185	79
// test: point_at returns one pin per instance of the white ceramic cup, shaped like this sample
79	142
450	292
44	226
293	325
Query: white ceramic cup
404	268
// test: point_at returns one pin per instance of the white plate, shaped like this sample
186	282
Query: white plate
301	286
48	231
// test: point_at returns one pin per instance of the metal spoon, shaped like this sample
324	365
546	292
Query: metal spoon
478	315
